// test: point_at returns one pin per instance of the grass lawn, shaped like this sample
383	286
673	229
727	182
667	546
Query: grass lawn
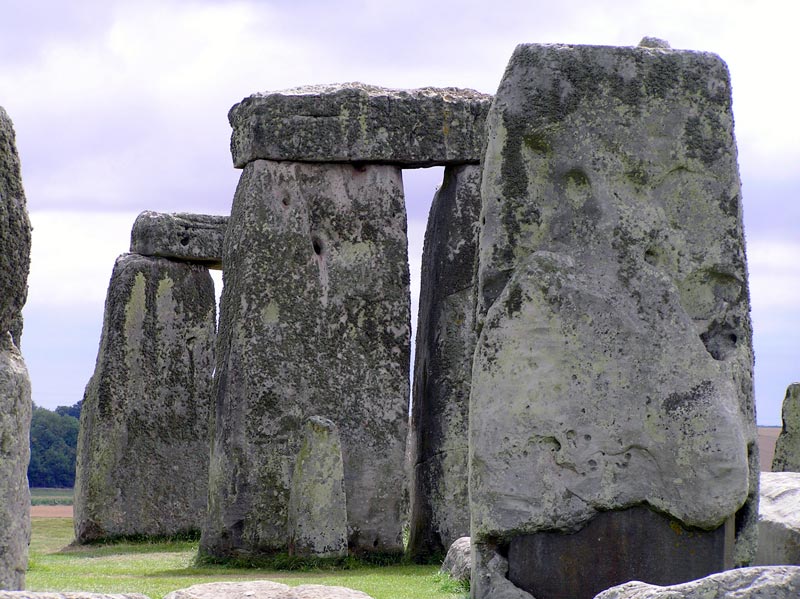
45	496
155	569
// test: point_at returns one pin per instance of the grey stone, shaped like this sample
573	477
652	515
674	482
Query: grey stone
68	595
314	320
779	520
779	582
317	502
654	42
142	465
458	561
180	236
490	575
15	231
354	122
443	365
614	361
787	447
264	589
15	500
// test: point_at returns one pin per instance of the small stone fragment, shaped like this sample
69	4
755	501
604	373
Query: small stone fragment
142	464
779	520
317	504
180	236
778	582
654	42
458	561
787	447
15	500
443	366
354	122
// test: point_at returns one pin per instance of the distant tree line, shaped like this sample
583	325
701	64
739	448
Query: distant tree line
54	440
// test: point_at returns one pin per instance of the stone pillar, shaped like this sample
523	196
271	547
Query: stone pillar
314	320
15	387
443	367
142	465
317	502
612	381
787	447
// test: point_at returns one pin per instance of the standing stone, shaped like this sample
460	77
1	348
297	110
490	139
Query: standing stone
443	365
317	503
15	387
142	466
185	237
314	320
15	499
613	370
787	447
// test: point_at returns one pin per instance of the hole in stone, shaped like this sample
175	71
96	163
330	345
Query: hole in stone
375	543
359	166
720	340
316	243
285	201
185	240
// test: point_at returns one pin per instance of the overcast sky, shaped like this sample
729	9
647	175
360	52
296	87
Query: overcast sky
122	106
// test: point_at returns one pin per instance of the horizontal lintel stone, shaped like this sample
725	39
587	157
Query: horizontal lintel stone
354	122
184	237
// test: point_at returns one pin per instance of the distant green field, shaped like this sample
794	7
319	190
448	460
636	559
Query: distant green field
44	496
157	568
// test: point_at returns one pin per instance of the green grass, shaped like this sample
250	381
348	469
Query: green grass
44	496
157	568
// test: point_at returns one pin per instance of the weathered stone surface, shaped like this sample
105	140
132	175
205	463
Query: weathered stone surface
787	447
779	519
443	364
353	122
15	500
490	575
15	231
458	561
614	360
180	236
142	466
779	582
68	595
263	589
317	502
314	320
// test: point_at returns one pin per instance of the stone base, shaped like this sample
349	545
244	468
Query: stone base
616	547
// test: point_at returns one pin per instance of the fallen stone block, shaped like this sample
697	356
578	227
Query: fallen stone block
264	589
458	561
779	520
184	237
787	447
354	122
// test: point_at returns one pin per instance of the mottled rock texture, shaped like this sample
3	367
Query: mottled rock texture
779	582
314	320
458	561
264	589
787	447
15	231
142	466
180	236
15	500
353	122
67	595
443	365
779	519
317	502
614	360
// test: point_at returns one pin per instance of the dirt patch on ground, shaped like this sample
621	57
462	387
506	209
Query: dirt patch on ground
51	511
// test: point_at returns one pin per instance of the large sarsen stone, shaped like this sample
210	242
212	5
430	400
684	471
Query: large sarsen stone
354	122
314	320
142	466
614	362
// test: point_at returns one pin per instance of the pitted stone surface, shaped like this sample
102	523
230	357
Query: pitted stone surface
779	519
314	320
264	589
317	503
787	447
443	364
614	359
142	465
180	236
15	232
779	582
354	122
15	500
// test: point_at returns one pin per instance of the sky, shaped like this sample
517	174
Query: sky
121	107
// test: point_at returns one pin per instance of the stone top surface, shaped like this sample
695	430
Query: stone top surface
356	122
180	236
